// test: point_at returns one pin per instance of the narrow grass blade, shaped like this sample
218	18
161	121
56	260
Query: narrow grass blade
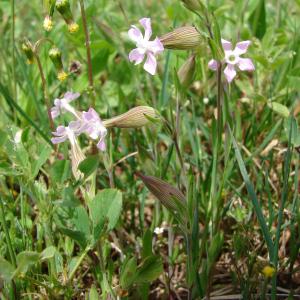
11	102
253	197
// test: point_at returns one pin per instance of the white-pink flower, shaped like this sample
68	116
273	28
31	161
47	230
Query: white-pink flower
232	59
94	128
70	132
145	47
61	105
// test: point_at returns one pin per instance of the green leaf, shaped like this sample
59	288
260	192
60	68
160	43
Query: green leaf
6	270
280	109
93	294
48	253
128	272
61	170
26	259
149	269
257	20
42	158
89	165
105	207
147	244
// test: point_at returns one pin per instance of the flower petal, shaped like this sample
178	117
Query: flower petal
213	64
229	73
241	47
135	34
69	96
54	112
156	46
226	45
146	23
150	64
59	139
136	55
101	145
246	64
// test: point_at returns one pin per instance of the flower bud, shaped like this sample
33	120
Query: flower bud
134	118
48	23
182	38
63	7
187	71
55	56
194	5
27	48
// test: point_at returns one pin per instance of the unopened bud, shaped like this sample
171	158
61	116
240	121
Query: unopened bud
194	5
63	7
134	118
48	23
182	38
187	71
27	48
56	58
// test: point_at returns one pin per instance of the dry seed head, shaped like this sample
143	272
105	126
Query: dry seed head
182	38
134	118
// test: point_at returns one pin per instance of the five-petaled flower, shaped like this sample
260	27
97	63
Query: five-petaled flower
62	105
94	128
232	58
145	46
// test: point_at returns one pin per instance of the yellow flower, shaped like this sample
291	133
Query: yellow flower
48	23
73	27
268	271
62	76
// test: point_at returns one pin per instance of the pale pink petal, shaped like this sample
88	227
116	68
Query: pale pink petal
101	145
135	34
213	64
150	64
226	45
241	47
54	112
136	55
60	130
246	64
146	23
156	46
69	96
57	140
229	72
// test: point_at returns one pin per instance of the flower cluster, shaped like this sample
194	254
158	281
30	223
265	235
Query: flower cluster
87	122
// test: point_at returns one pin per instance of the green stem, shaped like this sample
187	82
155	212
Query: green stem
13	48
45	90
88	50
78	263
7	236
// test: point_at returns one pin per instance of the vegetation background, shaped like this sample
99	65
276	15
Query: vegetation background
243	236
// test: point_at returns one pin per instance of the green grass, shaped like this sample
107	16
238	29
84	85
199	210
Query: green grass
193	204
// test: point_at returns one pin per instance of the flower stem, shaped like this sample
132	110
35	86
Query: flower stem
45	90
88	50
13	48
6	232
78	263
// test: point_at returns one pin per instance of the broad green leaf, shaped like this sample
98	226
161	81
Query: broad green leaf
149	270
105	207
89	165
26	259
280	109
93	294
128	272
6	270
48	253
42	158
147	244
61	170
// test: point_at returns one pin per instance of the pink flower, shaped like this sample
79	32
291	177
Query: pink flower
70	132
232	59
144	46
94	128
61	105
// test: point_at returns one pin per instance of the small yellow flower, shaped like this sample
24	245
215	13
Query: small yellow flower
48	23
30	61
73	27
62	76
268	271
